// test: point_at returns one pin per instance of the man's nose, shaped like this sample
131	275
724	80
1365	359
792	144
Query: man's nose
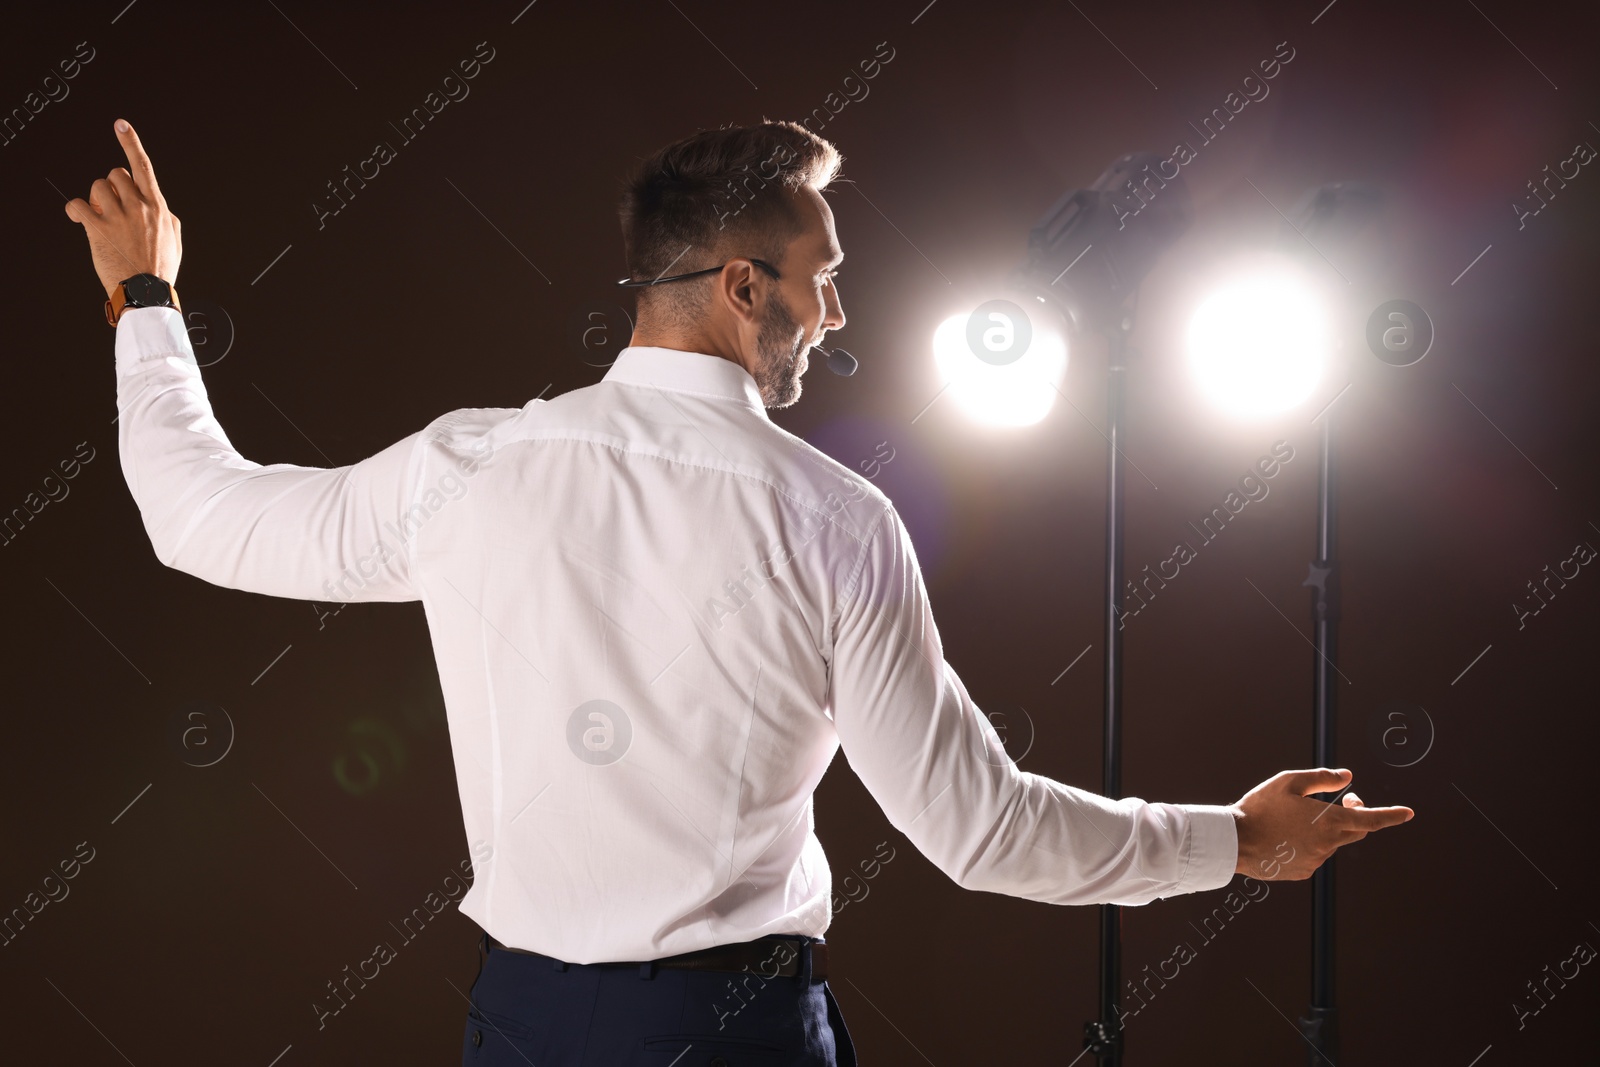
835	311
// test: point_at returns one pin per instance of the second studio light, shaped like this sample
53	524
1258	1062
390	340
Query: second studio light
1259	343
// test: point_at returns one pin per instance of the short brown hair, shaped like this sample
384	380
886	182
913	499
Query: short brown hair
710	195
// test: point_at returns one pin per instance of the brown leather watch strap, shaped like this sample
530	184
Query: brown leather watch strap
115	304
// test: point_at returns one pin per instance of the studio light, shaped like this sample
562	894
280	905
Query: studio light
1001	368
1260	343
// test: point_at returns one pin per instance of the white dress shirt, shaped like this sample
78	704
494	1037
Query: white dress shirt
656	616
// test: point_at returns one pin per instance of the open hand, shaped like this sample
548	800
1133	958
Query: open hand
1285	835
126	219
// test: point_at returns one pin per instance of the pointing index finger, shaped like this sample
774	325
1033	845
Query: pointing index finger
144	175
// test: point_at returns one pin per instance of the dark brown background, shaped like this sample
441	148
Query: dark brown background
206	925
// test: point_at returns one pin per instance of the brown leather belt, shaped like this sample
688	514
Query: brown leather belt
774	958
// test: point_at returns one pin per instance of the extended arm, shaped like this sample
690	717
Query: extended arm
937	768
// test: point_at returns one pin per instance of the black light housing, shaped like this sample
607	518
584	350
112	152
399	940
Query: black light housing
1093	247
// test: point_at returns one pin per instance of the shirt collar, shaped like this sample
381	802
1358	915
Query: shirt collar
686	372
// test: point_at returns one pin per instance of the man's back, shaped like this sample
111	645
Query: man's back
633	600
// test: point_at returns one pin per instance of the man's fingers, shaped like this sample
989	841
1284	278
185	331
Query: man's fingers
1365	819
144	175
122	182
103	196
79	211
1352	801
1318	780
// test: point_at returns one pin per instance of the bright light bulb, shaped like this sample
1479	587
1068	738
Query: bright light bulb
998	389
1258	345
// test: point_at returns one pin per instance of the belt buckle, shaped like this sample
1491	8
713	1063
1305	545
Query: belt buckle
819	961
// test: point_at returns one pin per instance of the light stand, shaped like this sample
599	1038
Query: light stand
1313	220
1086	258
1104	1036
1319	1024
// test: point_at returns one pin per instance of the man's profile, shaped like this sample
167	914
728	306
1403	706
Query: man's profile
657	616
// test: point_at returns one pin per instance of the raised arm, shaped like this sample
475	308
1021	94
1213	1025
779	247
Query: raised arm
302	532
311	533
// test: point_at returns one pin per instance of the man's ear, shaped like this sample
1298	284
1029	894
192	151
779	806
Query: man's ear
736	288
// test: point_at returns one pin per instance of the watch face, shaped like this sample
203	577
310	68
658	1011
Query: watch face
146	290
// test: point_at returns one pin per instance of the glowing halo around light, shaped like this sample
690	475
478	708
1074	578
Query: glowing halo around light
1258	345
1018	393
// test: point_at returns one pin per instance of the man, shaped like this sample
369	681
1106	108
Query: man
656	617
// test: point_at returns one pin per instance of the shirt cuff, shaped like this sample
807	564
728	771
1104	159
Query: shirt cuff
1213	847
149	333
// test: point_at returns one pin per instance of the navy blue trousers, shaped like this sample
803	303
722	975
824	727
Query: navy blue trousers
532	1010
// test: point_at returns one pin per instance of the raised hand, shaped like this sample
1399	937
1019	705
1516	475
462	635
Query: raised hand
1285	835
126	219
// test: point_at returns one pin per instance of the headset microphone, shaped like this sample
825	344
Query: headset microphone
840	362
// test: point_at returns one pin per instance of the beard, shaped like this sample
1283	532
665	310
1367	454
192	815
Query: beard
781	356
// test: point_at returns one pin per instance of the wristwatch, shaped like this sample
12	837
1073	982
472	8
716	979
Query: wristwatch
141	291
